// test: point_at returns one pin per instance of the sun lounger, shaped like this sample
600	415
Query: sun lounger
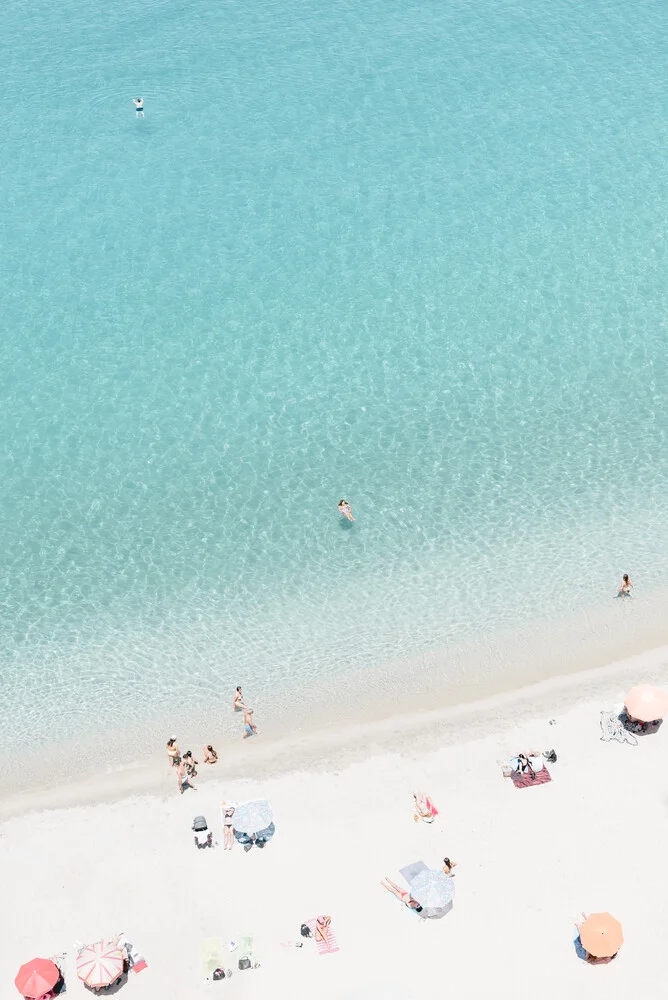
136	961
612	728
411	871
324	947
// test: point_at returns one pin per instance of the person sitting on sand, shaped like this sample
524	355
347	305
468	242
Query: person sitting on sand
524	765
228	826
239	704
210	755
346	510
173	750
401	894
448	865
625	587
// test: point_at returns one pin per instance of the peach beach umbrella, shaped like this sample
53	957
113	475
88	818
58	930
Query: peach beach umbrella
100	964
601	935
646	703
37	977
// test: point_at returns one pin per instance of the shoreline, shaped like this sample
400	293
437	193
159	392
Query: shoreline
528	861
407	734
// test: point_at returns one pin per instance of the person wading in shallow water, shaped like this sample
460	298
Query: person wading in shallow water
239	704
249	725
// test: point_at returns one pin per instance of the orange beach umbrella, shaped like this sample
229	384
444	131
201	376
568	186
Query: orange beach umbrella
646	703
601	935
37	977
100	964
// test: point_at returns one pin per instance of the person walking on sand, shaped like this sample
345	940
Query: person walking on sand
346	510
172	750
182	776
190	764
238	705
625	587
249	725
139	106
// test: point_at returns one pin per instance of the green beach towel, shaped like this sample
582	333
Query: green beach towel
213	956
245	949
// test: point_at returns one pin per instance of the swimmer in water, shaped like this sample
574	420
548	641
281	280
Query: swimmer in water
346	510
625	587
139	106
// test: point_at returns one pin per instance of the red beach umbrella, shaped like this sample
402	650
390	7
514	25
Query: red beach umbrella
37	977
100	964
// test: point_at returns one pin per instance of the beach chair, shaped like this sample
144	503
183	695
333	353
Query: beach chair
612	728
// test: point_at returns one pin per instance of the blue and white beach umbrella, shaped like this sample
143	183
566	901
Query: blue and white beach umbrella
433	890
252	817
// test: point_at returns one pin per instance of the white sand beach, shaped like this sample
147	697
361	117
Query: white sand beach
529	861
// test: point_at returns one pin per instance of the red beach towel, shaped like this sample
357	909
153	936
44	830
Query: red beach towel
324	948
526	780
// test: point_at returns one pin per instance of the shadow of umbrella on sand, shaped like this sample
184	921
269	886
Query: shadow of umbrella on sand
434	891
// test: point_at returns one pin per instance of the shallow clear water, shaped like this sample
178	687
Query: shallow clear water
409	254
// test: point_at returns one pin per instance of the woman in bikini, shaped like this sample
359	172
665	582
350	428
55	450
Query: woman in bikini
228	826
401	894
172	750
210	755
625	587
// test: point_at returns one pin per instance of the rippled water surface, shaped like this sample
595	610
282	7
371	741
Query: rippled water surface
410	254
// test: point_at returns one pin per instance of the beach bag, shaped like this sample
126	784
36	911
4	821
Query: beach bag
305	930
218	974
244	963
550	756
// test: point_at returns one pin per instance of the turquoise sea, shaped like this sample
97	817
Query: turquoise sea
410	254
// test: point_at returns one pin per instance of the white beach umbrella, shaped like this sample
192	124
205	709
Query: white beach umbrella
100	964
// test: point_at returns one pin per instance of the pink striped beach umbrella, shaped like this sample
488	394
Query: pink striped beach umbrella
100	964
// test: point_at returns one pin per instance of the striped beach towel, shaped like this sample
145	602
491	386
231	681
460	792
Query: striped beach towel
324	947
